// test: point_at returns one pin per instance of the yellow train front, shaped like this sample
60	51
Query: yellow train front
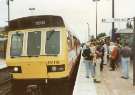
40	49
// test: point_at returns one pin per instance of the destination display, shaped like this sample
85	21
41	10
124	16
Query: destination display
36	22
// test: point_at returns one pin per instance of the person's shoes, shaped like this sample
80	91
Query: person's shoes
93	76
101	69
94	80
124	77
87	76
97	81
112	69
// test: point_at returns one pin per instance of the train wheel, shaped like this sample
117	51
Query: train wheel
33	90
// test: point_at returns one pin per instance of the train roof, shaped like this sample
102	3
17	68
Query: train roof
36	22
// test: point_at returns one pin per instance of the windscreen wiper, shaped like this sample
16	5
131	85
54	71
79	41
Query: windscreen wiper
50	35
33	55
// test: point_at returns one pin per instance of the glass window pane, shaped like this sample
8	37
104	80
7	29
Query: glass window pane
52	42
34	43
16	44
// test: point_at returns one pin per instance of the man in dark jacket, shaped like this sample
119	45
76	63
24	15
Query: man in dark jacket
125	60
87	60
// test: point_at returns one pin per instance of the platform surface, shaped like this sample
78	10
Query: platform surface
111	83
83	85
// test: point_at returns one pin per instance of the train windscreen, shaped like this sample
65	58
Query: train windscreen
52	42
34	43
16	44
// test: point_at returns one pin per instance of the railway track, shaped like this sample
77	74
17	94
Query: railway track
5	88
5	83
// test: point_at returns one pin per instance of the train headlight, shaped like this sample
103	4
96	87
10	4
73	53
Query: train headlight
55	68
61	69
16	69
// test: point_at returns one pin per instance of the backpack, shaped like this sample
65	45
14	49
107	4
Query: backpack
86	54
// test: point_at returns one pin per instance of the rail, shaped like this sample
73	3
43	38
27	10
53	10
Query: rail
5	87
4	69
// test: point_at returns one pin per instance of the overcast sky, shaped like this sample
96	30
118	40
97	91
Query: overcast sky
76	13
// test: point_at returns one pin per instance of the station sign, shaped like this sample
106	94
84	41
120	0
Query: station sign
110	20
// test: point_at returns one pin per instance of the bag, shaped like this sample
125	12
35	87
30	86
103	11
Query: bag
99	51
86	54
115	53
99	54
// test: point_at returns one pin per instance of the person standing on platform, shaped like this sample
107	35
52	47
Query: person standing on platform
86	54
105	53
98	53
108	52
125	60
102	57
92	62
114	57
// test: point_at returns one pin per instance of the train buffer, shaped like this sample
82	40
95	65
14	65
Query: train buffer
83	85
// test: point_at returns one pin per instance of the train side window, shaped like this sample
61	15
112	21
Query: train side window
34	43
69	41
52	42
16	44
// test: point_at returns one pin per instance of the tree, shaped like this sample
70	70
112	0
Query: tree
101	35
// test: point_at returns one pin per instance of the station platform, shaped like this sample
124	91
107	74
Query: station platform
2	63
111	83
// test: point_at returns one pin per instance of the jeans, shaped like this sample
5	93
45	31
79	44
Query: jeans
90	68
105	58
97	70
125	61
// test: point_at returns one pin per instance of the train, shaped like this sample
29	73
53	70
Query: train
41	49
3	45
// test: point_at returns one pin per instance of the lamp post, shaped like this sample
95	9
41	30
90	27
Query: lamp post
113	25
88	31
96	14
8	4
133	54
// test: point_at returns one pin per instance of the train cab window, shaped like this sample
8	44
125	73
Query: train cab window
34	43
52	42
16	44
